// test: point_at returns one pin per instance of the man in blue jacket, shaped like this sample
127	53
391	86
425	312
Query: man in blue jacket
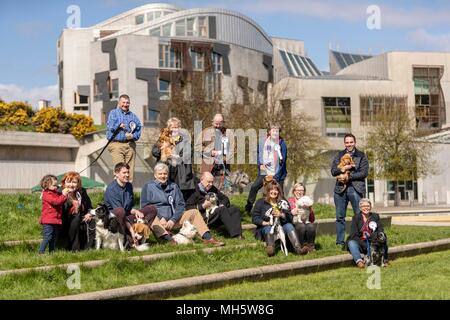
166	196
354	189
123	146
271	159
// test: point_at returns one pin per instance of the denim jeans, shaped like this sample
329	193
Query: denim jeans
341	202
49	234
288	227
356	249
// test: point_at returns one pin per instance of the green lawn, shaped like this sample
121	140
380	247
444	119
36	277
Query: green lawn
421	277
120	272
19	213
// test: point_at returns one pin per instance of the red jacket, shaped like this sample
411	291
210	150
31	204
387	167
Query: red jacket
52	202
293	204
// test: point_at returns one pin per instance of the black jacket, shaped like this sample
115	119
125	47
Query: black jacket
182	173
358	222
196	200
357	176
259	215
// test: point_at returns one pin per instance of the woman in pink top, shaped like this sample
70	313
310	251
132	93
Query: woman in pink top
306	230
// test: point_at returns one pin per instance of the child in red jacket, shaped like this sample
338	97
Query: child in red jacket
51	221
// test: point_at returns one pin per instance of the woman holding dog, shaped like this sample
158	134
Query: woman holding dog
78	227
180	164
306	230
268	209
365	226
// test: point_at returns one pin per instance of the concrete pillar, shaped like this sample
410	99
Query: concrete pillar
385	199
436	197
372	198
424	198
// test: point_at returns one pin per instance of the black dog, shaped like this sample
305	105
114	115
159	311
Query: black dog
108	231
377	248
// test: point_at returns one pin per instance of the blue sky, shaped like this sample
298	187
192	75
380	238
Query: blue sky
29	30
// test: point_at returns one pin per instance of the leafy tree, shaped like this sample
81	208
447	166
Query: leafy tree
395	148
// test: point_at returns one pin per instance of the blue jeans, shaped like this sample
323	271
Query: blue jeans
356	249
341	202
288	227
49	234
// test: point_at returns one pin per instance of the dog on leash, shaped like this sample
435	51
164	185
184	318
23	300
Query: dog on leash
186	233
238	181
108	231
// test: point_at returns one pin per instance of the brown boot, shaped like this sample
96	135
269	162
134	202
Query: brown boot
270	244
295	243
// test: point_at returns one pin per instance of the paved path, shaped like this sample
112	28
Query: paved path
423	220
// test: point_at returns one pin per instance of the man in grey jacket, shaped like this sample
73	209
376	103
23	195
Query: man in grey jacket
355	188
166	196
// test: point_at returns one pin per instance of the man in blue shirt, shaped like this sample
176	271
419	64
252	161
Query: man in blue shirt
123	146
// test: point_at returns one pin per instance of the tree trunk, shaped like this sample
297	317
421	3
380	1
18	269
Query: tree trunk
397	194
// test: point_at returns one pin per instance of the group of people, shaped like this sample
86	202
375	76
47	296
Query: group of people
175	195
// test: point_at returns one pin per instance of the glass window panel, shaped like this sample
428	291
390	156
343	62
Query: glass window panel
296	68
180	28
156	32
190	27
150	16
166	30
157	14
297	58
329	101
286	63
139	19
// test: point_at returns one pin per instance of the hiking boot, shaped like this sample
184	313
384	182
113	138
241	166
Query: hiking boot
270	244
214	242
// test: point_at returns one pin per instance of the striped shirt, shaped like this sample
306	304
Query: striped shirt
118	116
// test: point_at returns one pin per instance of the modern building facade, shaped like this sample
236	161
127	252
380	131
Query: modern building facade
155	50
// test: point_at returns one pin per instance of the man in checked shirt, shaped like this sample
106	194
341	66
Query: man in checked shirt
123	146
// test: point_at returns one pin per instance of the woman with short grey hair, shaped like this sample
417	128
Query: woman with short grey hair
366	225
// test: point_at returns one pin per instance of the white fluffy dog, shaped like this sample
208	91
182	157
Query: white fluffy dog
186	233
304	205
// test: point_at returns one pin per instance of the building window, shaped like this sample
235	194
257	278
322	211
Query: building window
156	32
203	27
180	28
429	102
406	189
97	93
150	16
157	14
337	116
84	99
212	86
153	115
139	19
217	62
166	30
198	60
373	107
190	31
164	89
169	58
114	89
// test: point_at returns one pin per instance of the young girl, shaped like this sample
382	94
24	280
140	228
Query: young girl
52	202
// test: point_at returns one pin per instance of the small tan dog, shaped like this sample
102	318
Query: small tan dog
343	178
166	144
141	234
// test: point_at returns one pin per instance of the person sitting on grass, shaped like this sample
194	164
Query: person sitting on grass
364	224
267	212
166	196
52	202
306	230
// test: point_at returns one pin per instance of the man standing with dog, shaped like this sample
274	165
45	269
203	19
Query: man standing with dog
272	157
123	144
166	196
215	214
119	199
356	184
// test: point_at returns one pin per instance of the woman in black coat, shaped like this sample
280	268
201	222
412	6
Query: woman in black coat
180	164
265	213
365	226
78	228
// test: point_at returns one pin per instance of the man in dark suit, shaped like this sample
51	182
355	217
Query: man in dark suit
355	188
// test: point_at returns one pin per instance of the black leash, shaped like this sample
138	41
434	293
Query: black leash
115	133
